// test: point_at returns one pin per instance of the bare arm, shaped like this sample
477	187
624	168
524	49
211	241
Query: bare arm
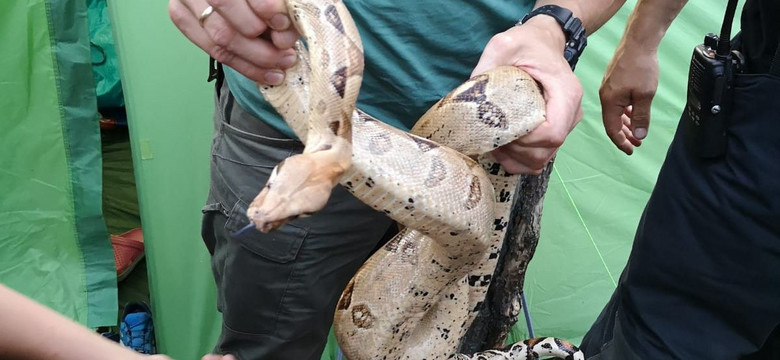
593	14
537	47
631	79
29	330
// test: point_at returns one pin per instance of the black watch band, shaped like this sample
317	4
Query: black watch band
572	28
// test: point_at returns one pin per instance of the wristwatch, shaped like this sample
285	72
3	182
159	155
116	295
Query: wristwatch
572	28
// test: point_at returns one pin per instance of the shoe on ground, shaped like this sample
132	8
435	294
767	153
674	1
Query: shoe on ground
136	331
128	251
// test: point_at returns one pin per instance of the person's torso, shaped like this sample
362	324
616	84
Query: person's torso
760	33
415	53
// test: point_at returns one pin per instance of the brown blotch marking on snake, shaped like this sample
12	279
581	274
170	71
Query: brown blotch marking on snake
346	296
475	193
339	81
475	93
332	15
423	144
346	126
436	174
492	115
380	144
311	9
321	107
334	127
362	317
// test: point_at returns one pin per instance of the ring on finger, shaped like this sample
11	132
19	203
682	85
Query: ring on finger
206	12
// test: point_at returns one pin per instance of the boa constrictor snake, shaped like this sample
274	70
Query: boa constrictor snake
416	297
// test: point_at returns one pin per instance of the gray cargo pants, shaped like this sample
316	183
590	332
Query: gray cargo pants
277	292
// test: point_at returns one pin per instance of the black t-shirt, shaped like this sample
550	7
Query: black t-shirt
760	33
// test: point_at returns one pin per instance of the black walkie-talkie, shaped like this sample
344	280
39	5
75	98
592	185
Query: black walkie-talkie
710	84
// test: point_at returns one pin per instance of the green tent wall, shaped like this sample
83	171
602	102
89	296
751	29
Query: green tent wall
169	107
54	246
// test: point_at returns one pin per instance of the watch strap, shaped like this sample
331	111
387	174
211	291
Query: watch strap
572	27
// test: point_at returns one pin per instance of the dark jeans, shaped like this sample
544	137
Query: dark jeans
277	292
703	277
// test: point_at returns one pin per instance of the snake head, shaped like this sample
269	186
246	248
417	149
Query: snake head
297	187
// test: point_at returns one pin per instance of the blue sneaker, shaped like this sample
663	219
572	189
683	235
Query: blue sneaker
137	330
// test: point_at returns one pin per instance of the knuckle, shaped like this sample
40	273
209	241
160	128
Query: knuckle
556	140
222	36
501	41
254	73
539	161
222	54
253	29
645	93
513	168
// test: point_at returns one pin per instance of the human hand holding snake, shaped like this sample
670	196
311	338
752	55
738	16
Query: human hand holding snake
254	37
537	47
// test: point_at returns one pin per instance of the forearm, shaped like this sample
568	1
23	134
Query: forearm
649	22
31	331
592	13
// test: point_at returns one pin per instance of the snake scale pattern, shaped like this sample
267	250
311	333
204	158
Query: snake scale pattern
416	297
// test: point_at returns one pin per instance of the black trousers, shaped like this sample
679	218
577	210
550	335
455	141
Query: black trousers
703	277
277	292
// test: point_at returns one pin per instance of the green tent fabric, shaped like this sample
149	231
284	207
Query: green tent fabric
169	107
54	246
104	63
595	198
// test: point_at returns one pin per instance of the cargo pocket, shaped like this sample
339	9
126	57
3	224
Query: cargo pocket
258	273
282	248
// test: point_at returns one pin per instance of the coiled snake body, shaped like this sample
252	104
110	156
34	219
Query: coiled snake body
416	297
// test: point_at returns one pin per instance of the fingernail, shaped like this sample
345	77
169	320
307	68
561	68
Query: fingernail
287	61
280	22
640	133
274	77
